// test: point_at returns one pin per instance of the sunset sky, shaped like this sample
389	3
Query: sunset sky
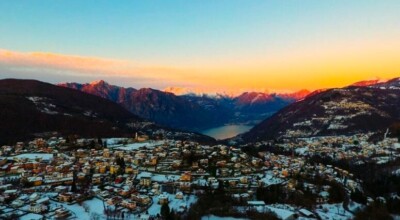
216	45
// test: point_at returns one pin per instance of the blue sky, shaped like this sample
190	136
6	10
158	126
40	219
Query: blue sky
203	35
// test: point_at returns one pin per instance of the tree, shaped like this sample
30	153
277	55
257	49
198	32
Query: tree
165	211
336	193
374	211
120	162
92	144
358	196
99	141
393	205
73	187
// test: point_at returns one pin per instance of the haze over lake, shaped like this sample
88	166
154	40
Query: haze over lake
226	131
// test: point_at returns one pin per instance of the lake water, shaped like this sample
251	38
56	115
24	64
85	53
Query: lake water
226	131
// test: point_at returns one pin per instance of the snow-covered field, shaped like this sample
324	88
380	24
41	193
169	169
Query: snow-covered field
270	179
334	212
174	204
118	143
31	216
95	208
112	142
159	177
355	207
33	156
213	217
301	150
136	146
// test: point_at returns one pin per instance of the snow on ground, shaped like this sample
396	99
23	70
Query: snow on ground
396	217
213	217
95	206
33	156
158	177
31	216
301	150
269	179
281	213
333	212
136	146
381	160
396	172
112	142
174	204
355	207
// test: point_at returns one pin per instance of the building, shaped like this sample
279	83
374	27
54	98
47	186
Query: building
145	181
186	176
37	207
163	199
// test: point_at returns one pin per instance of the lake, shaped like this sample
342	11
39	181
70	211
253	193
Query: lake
226	131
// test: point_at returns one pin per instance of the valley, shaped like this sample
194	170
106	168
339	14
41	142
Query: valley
199	110
193	112
226	131
312	159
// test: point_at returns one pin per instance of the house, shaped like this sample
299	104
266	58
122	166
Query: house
37	207
144	199
62	213
185	186
5	186
10	192
65	197
128	204
44	200
35	180
17	203
129	170
186	176
141	199
81	176
179	195
34	197
61	189
96	178
306	213
244	197
283	214
255	203
145	181
163	199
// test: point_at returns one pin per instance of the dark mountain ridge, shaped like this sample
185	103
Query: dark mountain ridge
191	112
348	110
30	107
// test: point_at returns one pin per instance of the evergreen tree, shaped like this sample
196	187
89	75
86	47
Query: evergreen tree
73	187
165	211
99	141
92	144
358	196
336	193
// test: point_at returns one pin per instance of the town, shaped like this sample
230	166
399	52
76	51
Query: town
138	178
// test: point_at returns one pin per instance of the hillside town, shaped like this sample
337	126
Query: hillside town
136	178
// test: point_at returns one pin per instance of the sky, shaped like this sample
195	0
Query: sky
204	45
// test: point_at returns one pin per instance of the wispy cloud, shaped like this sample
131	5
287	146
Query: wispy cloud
78	68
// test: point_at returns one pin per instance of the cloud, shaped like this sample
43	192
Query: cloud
57	67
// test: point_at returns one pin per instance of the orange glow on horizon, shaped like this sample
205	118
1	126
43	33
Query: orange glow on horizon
304	68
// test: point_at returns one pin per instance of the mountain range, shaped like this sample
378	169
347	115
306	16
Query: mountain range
32	108
190	111
358	108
